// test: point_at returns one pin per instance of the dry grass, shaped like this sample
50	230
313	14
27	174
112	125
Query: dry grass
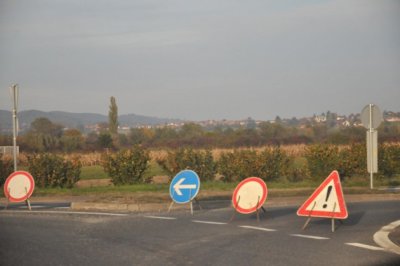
94	158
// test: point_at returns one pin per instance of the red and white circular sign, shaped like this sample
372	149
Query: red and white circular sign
249	195
19	186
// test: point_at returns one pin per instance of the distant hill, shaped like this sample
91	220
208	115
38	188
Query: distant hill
75	120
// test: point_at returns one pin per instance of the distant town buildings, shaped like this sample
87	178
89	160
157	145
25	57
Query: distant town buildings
330	119
339	121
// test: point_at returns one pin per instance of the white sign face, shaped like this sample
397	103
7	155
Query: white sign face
19	186
249	195
326	200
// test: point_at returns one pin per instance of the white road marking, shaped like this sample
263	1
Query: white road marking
257	228
67	212
359	245
160	217
311	237
382	237
207	222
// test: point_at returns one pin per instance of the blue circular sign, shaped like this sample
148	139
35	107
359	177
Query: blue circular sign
184	186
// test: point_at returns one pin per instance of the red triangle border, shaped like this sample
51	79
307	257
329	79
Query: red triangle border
343	214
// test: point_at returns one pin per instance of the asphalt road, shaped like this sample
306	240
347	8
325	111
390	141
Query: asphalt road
206	238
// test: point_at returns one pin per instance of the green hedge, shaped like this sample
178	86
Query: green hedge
126	166
6	168
50	170
201	162
270	164
389	160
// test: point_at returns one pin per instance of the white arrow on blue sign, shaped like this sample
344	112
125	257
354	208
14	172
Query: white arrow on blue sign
184	186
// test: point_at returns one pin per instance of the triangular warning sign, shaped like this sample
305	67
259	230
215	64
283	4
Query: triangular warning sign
327	200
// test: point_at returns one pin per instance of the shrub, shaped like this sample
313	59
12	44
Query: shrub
126	166
202	162
297	169
322	159
270	164
50	170
6	168
273	164
389	160
237	165
347	160
352	160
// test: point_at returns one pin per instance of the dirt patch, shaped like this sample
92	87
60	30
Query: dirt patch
94	183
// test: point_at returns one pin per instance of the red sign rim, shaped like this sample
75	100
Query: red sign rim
29	192
262	200
343	214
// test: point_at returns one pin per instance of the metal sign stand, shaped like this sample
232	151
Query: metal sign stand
190	203
234	211
309	216
27	202
257	210
332	219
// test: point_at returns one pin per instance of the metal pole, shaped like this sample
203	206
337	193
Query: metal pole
14	92
371	159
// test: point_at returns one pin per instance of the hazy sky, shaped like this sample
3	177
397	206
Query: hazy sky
201	59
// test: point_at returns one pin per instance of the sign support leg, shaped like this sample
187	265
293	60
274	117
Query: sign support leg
8	199
170	206
27	202
234	212
172	202
309	216
258	209
191	202
333	219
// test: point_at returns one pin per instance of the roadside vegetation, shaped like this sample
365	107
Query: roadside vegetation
297	167
283	154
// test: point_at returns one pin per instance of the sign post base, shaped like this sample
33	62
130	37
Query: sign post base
190	205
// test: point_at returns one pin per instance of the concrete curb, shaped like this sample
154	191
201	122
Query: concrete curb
159	207
124	207
382	237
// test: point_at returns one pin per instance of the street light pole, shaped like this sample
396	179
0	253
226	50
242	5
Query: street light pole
14	95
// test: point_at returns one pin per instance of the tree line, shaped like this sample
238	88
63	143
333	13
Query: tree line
46	136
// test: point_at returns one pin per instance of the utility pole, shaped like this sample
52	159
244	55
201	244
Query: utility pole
14	95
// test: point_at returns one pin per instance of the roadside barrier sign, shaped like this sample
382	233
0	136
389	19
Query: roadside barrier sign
249	195
327	201
184	186
19	187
